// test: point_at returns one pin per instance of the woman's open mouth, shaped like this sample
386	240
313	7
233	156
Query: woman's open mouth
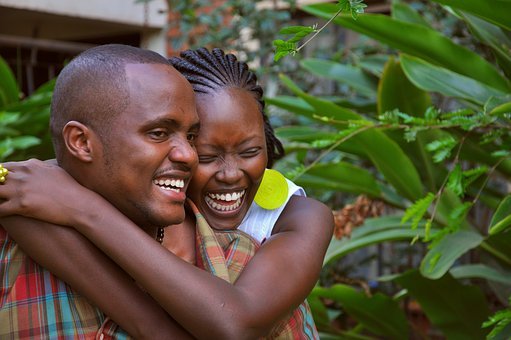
225	201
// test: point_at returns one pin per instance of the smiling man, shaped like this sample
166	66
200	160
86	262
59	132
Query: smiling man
123	122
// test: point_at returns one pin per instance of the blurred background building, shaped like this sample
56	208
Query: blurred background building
37	37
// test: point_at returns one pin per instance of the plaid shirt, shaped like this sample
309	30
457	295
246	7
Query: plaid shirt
35	304
226	253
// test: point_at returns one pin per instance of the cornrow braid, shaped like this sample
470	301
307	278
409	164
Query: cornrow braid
209	71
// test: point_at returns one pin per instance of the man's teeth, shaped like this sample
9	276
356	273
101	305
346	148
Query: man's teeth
170	184
234	197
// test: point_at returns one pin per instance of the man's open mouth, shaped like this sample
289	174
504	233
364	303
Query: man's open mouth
170	184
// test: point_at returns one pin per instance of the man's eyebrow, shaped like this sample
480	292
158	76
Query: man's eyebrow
195	127
162	121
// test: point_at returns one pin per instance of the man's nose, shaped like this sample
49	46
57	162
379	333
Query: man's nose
184	152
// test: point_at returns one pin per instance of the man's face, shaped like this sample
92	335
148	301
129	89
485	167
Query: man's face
149	157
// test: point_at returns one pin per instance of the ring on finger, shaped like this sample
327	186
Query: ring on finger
3	173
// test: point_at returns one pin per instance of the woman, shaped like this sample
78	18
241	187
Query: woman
235	145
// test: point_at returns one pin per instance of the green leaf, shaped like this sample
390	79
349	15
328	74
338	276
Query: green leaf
496	11
455	180
373	231
8	85
441	148
419	41
494	37
394	81
457	310
503	108
378	313
380	149
501	219
418	209
405	13
361	82
481	271
341	176
373	63
415	103
443	254
296	29
433	78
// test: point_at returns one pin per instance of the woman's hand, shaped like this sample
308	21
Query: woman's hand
41	190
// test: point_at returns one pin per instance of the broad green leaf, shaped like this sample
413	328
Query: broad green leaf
379	313
8	85
503	108
303	133
416	102
394	82
309	134
373	63
494	37
499	246
442	256
373	231
385	154
361	82
481	271
292	104
342	176
418	41
457	310
319	311
433	78
405	13
496	11
501	219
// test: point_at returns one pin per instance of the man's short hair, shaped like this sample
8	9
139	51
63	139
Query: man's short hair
92	89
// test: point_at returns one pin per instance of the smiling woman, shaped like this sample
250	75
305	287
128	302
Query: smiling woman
235	145
232	156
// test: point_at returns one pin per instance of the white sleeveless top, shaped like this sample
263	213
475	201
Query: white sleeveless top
259	222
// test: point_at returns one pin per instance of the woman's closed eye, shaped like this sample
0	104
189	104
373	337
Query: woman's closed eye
207	158
250	152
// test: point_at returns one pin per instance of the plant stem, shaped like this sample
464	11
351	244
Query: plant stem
327	151
319	30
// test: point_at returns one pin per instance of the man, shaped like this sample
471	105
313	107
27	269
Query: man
121	120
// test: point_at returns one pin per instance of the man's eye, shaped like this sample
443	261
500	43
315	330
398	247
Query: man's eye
191	137
158	134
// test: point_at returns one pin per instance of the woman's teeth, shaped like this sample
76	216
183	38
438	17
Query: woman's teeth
234	197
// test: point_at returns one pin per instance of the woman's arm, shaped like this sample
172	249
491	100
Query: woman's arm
278	278
75	260
206	306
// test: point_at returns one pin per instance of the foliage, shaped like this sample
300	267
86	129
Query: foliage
23	123
228	24
290	46
434	147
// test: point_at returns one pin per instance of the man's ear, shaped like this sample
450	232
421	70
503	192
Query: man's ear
79	140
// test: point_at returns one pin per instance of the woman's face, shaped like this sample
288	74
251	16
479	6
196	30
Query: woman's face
232	156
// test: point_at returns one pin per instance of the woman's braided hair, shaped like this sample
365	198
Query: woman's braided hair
210	71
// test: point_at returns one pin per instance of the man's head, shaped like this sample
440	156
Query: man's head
122	121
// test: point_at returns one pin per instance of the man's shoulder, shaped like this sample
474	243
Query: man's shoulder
34	301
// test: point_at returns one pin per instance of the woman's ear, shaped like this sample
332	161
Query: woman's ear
78	139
